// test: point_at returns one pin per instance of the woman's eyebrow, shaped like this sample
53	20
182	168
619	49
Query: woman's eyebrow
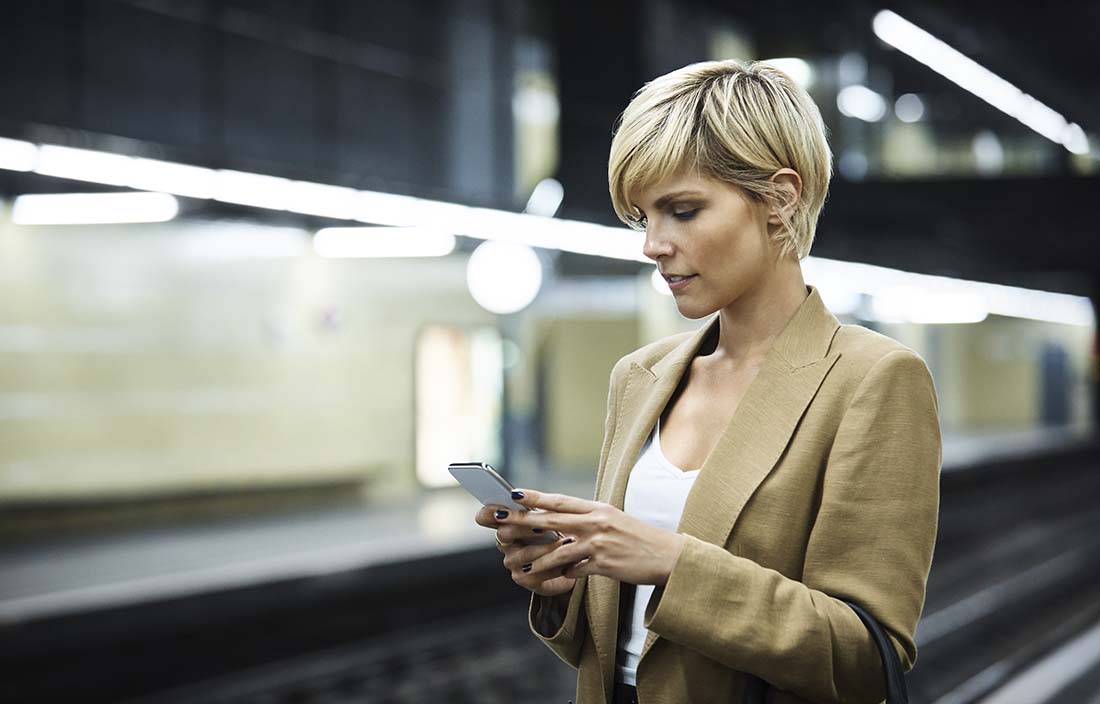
663	200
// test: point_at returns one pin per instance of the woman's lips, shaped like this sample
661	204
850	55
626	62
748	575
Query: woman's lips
676	285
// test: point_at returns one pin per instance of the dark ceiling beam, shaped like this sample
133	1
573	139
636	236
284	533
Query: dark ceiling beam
986	229
317	38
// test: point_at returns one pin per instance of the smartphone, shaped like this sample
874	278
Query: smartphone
481	480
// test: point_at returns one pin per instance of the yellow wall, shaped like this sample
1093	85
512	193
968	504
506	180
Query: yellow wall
992	372
579	355
128	367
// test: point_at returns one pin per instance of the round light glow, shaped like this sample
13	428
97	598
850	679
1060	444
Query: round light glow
909	107
853	164
861	102
503	277
798	69
989	155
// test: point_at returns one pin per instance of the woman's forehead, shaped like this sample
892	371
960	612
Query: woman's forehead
675	183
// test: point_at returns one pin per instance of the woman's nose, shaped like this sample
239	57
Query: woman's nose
655	245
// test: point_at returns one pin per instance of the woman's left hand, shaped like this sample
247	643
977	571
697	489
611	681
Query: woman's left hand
615	543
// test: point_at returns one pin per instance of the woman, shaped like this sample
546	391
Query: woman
757	471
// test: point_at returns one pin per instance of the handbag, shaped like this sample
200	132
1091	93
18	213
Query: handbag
896	691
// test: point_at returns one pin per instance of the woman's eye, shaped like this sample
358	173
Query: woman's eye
686	214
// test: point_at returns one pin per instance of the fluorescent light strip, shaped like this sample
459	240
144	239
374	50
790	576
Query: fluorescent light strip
256	190
483	223
16	155
93	208
335	202
83	165
168	177
967	73
273	193
890	284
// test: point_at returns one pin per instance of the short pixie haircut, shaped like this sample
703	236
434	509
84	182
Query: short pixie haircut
736	122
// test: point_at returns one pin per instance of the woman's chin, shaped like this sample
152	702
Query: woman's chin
692	312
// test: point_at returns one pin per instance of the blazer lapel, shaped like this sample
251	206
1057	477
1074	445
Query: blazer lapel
745	453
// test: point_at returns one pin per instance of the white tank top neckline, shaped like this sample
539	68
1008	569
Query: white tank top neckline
656	493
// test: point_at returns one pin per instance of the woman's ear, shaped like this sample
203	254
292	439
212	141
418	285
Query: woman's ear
789	185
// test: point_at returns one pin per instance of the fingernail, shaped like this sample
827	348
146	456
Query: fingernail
501	514
568	540
537	530
517	494
527	567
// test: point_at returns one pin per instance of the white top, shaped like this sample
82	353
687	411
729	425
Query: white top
656	493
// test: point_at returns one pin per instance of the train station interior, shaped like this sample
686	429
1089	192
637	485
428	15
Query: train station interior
268	267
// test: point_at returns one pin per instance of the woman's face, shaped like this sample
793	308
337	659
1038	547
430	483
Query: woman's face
710	230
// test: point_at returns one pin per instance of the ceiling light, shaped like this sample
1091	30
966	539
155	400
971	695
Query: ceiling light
996	299
909	107
93	208
504	277
168	177
861	102
798	69
83	165
17	155
967	73
256	190
545	198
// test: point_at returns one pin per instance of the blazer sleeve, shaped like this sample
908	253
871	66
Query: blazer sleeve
871	543
560	621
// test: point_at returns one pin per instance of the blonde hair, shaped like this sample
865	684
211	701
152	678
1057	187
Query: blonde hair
731	121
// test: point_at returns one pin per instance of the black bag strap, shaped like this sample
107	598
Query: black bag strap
896	691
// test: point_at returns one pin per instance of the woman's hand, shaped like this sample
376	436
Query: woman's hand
608	541
517	555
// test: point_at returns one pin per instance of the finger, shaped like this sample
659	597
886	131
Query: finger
577	569
508	533
558	503
565	552
509	546
517	556
540	583
486	516
558	585
549	575
534	521
544	520
550	580
506	543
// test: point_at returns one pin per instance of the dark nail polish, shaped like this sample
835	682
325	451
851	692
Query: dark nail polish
568	540
501	514
537	530
518	494
527	567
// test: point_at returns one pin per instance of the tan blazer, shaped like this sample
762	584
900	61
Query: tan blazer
825	485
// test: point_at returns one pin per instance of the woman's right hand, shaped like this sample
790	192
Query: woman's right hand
517	554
